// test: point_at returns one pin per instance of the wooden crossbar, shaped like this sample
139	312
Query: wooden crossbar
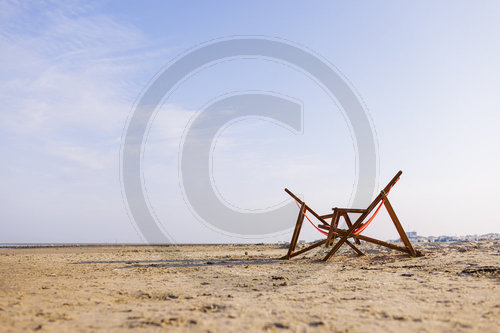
375	241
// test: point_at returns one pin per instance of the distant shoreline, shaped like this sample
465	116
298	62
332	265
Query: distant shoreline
419	239
52	245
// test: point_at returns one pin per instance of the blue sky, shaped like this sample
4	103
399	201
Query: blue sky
428	73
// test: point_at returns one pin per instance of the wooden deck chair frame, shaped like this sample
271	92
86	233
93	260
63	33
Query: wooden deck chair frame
342	235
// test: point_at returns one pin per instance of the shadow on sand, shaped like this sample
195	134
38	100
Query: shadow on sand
186	262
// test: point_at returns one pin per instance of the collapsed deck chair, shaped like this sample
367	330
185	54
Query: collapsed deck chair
355	228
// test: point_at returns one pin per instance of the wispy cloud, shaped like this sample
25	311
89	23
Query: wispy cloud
69	77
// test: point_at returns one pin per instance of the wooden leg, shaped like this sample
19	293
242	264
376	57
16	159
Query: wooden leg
296	231
355	248
310	247
333	225
349	224
337	220
343	239
398	225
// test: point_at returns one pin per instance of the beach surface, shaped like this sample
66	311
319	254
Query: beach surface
228	288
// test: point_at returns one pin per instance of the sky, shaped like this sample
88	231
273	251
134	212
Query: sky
71	73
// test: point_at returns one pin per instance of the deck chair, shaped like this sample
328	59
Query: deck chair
332	232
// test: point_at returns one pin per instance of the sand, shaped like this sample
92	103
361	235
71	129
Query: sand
227	288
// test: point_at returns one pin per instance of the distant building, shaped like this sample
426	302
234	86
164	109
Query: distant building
413	237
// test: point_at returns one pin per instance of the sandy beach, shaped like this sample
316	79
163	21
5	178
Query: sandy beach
227	288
